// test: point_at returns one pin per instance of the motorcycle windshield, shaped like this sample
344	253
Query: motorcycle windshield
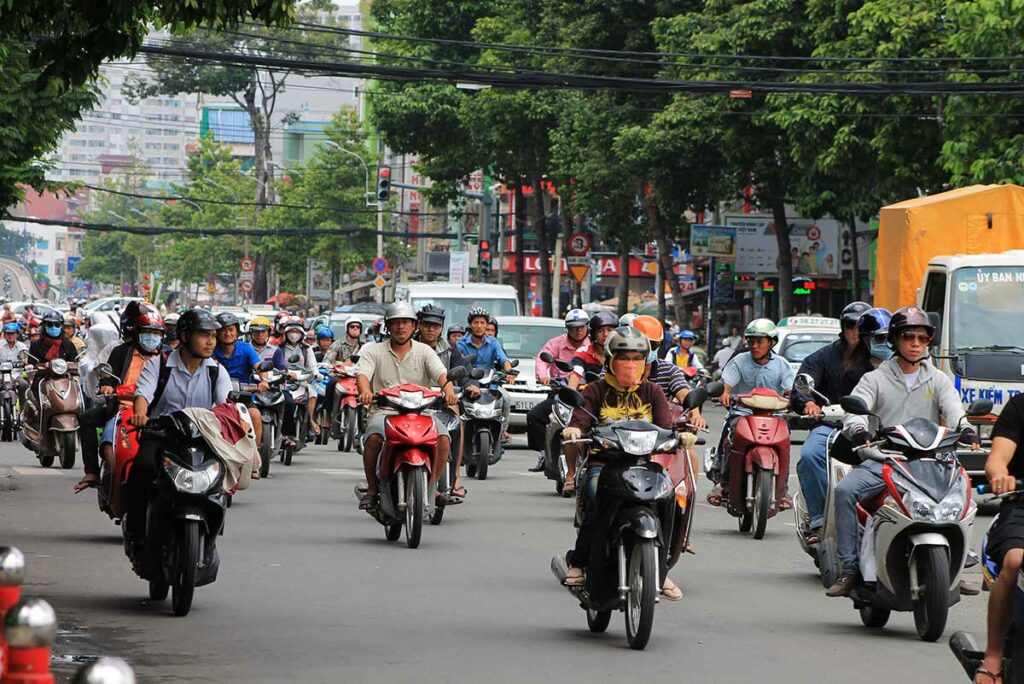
934	478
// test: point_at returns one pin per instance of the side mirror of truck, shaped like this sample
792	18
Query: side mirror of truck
936	320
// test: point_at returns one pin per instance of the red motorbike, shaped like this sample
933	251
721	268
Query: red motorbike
756	451
116	466
406	461
346	411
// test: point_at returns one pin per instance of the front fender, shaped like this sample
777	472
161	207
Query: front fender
927	539
763	457
64	422
640	522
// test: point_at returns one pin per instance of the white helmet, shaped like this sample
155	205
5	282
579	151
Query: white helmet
354	320
627	319
576	318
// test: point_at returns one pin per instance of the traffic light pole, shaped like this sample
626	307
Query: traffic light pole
380	239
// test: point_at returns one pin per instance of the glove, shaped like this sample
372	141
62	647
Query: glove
571	433
969	436
860	438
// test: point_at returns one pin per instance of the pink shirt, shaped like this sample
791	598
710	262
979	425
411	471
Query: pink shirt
562	350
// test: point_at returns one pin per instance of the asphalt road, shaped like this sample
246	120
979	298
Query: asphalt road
309	591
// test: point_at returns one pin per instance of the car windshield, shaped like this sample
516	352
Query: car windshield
798	346
455	309
987	307
521	341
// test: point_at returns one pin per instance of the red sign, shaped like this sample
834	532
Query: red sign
579	244
605	266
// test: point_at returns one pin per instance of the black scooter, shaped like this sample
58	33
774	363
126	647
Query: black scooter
484	424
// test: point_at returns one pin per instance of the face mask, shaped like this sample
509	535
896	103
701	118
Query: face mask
653	356
629	374
294	337
150	341
881	350
53	331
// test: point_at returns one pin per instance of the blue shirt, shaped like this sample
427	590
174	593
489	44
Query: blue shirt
743	374
489	353
183	389
241	363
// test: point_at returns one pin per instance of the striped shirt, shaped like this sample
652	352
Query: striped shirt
668	377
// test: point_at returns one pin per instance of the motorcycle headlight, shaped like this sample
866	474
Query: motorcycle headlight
58	366
412	400
923	507
669	444
193	481
637	442
6	366
487	410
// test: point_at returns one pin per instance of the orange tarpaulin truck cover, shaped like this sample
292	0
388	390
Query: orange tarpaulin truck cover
980	219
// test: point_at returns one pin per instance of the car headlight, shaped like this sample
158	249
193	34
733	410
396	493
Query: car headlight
193	481
637	442
481	410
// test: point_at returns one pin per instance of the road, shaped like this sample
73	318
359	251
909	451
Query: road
309	591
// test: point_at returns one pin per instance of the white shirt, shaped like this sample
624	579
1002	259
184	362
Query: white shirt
9	353
911	378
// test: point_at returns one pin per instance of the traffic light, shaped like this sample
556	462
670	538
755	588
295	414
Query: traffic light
485	258
383	183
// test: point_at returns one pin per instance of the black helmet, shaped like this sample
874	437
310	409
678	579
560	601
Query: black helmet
493	321
477	312
430	314
852	313
602	319
909	317
457	329
129	318
171	326
197	319
51	319
227	319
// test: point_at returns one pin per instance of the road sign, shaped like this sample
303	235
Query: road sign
245	286
579	244
248	265
246	276
211	288
578	267
379	281
379	265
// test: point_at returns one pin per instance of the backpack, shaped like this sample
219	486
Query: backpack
165	374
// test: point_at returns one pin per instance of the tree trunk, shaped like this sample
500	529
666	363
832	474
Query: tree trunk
776	199
263	174
665	264
622	289
519	218
540	225
855	262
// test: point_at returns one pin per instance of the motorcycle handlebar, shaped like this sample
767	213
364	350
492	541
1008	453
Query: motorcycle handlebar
987	488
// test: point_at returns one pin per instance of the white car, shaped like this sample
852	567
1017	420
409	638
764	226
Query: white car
801	336
522	337
40	308
114	304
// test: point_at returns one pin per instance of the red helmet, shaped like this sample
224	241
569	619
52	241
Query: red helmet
149	318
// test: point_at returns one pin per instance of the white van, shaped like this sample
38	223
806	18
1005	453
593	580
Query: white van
801	336
457	300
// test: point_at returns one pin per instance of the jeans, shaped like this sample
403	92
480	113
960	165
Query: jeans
811	469
860	484
537	424
288	422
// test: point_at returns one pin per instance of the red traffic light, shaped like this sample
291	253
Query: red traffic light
385	172
485	245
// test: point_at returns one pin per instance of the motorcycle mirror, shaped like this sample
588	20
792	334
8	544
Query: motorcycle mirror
804	383
694	398
105	369
265	366
294	358
354	358
855	405
980	407
546	357
563	366
514	362
715	389
477	373
457	374
469	360
571	397
591	376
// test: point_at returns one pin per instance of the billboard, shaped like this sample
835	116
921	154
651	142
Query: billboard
318	279
815	246
712	241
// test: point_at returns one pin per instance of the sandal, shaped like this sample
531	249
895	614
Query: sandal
671	591
813	536
368	502
568	489
715	496
456	496
87	482
689	549
573	578
994	676
785	503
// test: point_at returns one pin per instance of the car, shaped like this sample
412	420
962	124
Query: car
801	336
457	300
522	337
114	304
362	308
336	322
40	308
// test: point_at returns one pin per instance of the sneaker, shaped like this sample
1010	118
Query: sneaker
843	586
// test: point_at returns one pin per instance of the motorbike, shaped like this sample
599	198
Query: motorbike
757	449
271	407
644	480
967	651
484	424
49	419
184	516
116	464
405	463
321	381
9	374
347	413
298	386
915	534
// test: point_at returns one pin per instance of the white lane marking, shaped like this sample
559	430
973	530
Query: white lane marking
31	470
340	472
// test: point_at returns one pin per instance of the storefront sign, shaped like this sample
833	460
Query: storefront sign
815	248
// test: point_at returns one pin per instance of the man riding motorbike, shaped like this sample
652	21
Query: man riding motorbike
429	324
171	331
744	373
394	362
454	334
488	352
836	369
52	345
71	332
345	348
902	388
590	358
682	354
562	348
12	348
259	338
240	360
621	394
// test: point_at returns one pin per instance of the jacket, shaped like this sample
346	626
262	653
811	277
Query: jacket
933	396
830	378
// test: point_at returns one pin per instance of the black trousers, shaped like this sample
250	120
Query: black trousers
537	424
144	471
89	421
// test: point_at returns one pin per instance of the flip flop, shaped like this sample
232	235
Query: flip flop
87	482
574	580
673	592
715	496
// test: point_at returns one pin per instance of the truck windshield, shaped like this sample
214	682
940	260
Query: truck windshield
456	308
987	307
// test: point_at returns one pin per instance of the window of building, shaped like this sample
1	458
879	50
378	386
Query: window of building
60	243
42	245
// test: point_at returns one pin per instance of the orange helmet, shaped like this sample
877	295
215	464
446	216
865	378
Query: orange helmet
651	327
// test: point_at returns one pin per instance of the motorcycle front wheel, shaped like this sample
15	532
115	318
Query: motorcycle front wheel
932	609
66	445
185	572
46	461
266	449
597	620
415	491
483	453
351	428
874	617
642	580
764	488
158	590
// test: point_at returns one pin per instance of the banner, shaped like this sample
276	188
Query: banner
815	248
458	268
712	241
318	280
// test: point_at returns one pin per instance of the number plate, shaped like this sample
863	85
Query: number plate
523	405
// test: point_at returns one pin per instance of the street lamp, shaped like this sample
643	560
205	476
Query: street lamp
366	169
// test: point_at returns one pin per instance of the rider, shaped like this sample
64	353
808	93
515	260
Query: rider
562	348
52	345
488	353
621	394
12	348
682	354
324	340
591	357
429	324
240	360
398	361
348	346
189	377
71	330
142	329
171	331
1004	544
455	333
746	372
904	387
259	338
835	369
293	345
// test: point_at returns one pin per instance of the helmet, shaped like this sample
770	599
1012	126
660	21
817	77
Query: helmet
149	318
909	317
627	319
227	319
457	329
171	326
477	312
431	314
602	319
129	315
324	333
852	313
69	319
626	339
873	322
686	335
11	327
258	323
761	327
279	318
52	320
491	320
290	323
399	310
196	319
310	335
354	320
651	327
576	318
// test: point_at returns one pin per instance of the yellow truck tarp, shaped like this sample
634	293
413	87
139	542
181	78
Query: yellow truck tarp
980	219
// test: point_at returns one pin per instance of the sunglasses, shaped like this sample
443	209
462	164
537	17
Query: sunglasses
912	336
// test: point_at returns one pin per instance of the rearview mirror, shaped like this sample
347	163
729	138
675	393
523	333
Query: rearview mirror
514	362
695	398
457	374
265	366
354	358
105	370
854	405
563	366
980	407
469	360
477	373
570	397
804	383
715	389
546	357
294	358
